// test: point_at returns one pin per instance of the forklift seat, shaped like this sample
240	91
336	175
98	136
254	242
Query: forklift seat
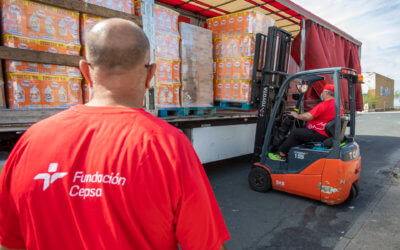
330	131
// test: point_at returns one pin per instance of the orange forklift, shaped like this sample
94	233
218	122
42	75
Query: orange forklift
329	170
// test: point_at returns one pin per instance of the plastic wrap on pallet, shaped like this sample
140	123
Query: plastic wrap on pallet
35	26
232	91
148	22
127	6
168	95
168	70
35	85
167	45
166	19
197	71
245	22
234	46
239	68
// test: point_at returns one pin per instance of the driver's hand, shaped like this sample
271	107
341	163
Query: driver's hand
294	114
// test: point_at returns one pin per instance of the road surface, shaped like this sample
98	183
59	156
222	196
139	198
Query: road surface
276	220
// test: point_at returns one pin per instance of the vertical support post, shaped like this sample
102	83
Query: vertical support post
303	45
336	142
3	103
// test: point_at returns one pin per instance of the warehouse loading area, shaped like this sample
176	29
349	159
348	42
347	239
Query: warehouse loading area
225	124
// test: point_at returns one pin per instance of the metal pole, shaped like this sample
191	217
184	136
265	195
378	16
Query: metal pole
303	45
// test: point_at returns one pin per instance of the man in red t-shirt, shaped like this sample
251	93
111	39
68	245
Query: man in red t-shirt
317	119
108	175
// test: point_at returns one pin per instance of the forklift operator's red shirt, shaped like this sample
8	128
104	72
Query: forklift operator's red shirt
323	113
107	178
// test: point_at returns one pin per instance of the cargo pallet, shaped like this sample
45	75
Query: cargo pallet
187	111
234	105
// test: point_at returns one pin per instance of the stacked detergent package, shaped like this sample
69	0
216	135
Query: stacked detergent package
234	44
197	70
33	26
167	55
127	6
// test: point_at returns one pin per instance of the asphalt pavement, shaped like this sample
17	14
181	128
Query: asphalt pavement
276	220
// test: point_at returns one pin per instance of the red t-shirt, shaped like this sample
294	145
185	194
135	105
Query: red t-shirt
323	113
107	178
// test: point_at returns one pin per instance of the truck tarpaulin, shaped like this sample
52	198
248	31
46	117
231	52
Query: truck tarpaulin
325	49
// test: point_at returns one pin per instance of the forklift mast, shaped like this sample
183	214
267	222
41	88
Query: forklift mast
271	59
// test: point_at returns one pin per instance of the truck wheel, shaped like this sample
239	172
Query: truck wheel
353	193
259	179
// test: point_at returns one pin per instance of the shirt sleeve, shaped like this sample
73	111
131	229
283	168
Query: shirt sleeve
10	233
198	220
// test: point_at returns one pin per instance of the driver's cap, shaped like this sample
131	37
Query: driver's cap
329	87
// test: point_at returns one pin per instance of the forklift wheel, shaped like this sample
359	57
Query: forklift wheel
259	179
353	193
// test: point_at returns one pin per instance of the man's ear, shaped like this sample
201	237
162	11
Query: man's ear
150	74
84	67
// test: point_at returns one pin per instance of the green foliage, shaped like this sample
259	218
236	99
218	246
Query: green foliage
371	99
397	94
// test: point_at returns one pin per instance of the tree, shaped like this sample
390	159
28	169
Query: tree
397	94
371	99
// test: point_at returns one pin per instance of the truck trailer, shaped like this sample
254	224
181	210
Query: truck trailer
229	132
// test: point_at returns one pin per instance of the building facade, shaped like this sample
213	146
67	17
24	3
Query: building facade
380	87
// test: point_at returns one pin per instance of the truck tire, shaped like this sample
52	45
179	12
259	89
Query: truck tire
259	179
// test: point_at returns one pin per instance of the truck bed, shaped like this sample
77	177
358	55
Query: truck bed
12	120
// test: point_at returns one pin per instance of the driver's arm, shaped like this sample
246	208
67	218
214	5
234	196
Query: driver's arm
304	117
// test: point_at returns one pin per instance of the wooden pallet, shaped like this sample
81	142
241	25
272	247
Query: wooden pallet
199	111
166	112
234	105
187	111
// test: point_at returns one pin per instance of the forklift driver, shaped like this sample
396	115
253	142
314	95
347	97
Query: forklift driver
317	118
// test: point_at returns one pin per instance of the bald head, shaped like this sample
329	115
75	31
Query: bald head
117	44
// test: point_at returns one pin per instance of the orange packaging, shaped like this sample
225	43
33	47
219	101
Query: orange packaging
34	85
35	26
138	7
86	24
167	45
232	90
235	91
245	89
218	90
168	71
242	68
234	46
240	23
166	19
168	95
127	6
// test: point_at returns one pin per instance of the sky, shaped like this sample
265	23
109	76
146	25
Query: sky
376	23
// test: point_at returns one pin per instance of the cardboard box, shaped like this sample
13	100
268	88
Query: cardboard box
166	19
232	90
35	26
127	6
167	45
34	85
245	22
86	24
197	69
168	95
234	46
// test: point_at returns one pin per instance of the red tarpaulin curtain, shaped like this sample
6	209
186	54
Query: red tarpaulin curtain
325	49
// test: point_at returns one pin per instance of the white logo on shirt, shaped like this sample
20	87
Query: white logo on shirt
48	179
317	126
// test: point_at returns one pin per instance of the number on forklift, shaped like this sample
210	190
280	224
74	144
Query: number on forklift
281	183
299	155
